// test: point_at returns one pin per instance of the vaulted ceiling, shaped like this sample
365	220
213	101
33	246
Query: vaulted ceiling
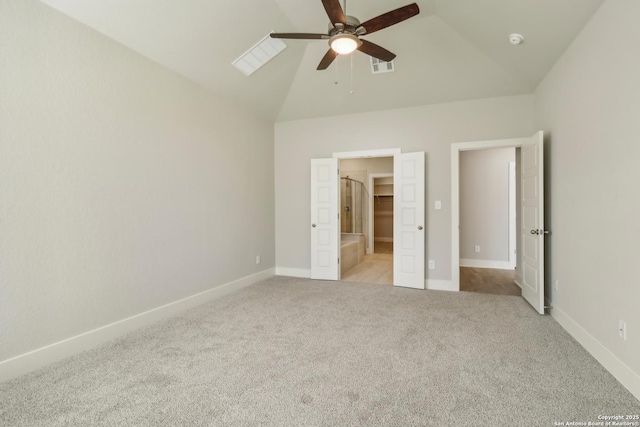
453	50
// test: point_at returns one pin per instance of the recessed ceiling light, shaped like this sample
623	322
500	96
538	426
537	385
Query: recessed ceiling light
516	39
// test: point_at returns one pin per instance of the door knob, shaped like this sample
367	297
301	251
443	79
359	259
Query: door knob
419	227
313	225
540	232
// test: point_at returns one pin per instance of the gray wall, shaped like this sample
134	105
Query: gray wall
484	203
123	186
589	104
429	128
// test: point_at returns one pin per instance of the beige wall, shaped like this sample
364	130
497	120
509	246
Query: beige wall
371	165
123	186
589	105
428	128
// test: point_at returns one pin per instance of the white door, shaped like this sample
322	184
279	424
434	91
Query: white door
325	242
408	220
532	218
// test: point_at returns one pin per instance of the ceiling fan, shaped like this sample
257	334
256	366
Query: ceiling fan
345	31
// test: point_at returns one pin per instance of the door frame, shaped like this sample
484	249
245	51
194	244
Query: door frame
456	148
363	154
513	214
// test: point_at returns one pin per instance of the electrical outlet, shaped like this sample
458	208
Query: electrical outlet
432	264
438	204
257	259
477	248
622	329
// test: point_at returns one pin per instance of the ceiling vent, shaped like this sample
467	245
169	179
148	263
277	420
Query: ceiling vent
261	53
379	66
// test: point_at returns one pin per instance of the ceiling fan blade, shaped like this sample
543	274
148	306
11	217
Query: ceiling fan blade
390	18
327	59
305	36
334	11
376	51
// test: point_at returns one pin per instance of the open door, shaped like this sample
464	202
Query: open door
409	220
325	241
532	218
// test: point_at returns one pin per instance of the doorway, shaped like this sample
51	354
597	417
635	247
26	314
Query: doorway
529	217
408	214
488	221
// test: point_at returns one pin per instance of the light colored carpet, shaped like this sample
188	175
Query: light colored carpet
293	352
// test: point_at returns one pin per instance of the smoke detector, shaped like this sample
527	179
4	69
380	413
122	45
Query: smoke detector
515	39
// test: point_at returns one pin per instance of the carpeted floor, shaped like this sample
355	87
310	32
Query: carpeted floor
293	352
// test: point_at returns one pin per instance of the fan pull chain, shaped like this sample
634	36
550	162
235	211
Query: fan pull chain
336	62
351	92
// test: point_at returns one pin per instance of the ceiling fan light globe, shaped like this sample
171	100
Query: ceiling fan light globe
344	43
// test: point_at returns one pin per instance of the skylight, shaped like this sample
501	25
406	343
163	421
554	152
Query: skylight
261	53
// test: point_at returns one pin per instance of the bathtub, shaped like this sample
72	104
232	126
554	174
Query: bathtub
352	249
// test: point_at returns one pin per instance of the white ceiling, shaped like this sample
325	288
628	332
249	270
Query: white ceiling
453	50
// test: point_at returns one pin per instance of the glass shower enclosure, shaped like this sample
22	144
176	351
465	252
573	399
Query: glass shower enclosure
354	202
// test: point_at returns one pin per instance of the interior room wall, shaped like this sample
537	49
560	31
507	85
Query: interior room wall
370	164
588	103
428	128
123	185
484	204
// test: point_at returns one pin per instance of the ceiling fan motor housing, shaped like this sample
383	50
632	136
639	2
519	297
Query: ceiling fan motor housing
352	27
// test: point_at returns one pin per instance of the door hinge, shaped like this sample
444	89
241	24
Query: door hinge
338	260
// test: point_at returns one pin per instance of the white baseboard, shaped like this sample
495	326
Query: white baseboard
27	362
383	239
304	273
440	285
486	263
518	282
625	375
